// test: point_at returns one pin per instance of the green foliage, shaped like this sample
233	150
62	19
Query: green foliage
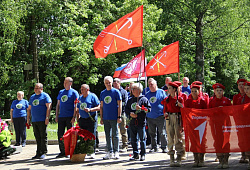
213	36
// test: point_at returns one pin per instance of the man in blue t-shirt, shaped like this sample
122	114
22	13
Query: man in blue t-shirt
65	111
122	125
39	109
110	113
155	117
87	107
186	88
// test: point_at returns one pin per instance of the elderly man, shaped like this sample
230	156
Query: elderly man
186	88
65	105
122	125
110	113
167	80
155	117
39	108
87	107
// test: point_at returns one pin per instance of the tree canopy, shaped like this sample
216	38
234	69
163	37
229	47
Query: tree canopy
57	38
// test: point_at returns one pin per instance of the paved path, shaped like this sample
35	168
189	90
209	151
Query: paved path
156	161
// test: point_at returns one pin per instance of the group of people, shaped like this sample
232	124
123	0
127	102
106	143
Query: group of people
156	108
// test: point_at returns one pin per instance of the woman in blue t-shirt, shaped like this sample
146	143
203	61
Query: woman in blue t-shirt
18	114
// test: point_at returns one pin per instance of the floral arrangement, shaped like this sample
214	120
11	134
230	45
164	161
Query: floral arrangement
78	141
5	140
143	108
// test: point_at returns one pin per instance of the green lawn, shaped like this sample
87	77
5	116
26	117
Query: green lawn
52	131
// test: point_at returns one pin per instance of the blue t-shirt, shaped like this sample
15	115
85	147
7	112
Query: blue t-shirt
124	98
90	101
19	108
38	106
145	90
110	106
155	99
67	99
186	90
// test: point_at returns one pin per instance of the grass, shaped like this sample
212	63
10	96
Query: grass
52	131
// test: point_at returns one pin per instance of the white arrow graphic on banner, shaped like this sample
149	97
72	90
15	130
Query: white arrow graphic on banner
201	129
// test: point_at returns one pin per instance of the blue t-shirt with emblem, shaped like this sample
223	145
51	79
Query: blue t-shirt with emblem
38	106
90	101
19	108
155	99
110	106
67	99
186	90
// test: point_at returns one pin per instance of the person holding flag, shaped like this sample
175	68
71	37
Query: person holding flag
219	101
172	112
236	97
197	102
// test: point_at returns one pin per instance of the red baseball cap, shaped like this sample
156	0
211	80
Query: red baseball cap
173	84
178	83
247	83
241	80
195	86
218	85
197	83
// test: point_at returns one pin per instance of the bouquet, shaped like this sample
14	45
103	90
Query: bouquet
5	140
78	141
143	108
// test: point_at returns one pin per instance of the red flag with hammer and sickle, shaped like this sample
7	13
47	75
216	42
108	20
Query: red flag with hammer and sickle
121	35
165	62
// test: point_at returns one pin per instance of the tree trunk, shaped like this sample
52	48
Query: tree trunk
34	49
199	57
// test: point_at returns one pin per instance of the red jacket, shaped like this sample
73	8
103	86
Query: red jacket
197	104
245	100
236	98
215	102
171	105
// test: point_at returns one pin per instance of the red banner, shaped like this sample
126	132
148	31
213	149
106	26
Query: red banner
134	67
121	35
217	130
165	62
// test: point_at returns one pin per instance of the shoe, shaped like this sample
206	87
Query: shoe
134	158
109	155
42	156
116	155
35	157
24	144
243	160
164	150
96	150
17	144
153	150
61	155
92	156
123	150
142	158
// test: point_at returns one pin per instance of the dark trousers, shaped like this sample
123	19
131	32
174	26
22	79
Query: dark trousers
40	132
90	125
62	123
135	132
20	129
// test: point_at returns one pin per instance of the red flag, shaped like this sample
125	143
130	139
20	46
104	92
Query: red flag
121	35
134	67
165	62
217	130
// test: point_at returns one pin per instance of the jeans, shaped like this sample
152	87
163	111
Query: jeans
160	123
62	123
20	129
90	125
123	132
40	133
136	131
111	126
